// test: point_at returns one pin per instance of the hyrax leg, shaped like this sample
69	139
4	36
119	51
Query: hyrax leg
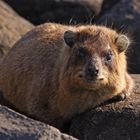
127	91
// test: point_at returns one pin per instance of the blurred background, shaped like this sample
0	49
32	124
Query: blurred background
19	16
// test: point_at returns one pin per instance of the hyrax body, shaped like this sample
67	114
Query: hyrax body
57	71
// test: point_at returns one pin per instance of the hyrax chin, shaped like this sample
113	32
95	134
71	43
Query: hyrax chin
57	71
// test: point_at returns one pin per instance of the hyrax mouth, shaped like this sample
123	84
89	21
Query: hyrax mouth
92	78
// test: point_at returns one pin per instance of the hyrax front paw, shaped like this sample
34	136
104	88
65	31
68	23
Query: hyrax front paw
121	96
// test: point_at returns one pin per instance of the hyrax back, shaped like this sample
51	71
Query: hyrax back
57	71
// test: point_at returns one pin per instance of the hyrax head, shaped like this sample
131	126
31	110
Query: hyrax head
96	56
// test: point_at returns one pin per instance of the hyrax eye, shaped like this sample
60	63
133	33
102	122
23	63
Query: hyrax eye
108	56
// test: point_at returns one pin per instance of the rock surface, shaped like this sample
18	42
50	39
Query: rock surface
114	121
14	126
62	11
107	5
125	16
12	27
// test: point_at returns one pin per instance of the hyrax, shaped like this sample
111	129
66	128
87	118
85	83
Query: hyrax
57	71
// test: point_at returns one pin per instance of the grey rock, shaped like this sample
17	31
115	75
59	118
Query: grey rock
12	27
62	11
14	126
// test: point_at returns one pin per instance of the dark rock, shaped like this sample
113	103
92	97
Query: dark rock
111	121
108	4
64	11
125	17
12	27
14	126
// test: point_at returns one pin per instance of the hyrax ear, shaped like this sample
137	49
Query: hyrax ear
122	42
70	37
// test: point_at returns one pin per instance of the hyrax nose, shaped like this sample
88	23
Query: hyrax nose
92	71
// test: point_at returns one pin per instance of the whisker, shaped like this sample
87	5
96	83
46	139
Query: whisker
71	20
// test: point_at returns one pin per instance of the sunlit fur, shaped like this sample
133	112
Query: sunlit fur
40	78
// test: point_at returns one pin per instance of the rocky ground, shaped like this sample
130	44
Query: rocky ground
111	121
15	126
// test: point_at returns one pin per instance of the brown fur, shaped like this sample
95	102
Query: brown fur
39	75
